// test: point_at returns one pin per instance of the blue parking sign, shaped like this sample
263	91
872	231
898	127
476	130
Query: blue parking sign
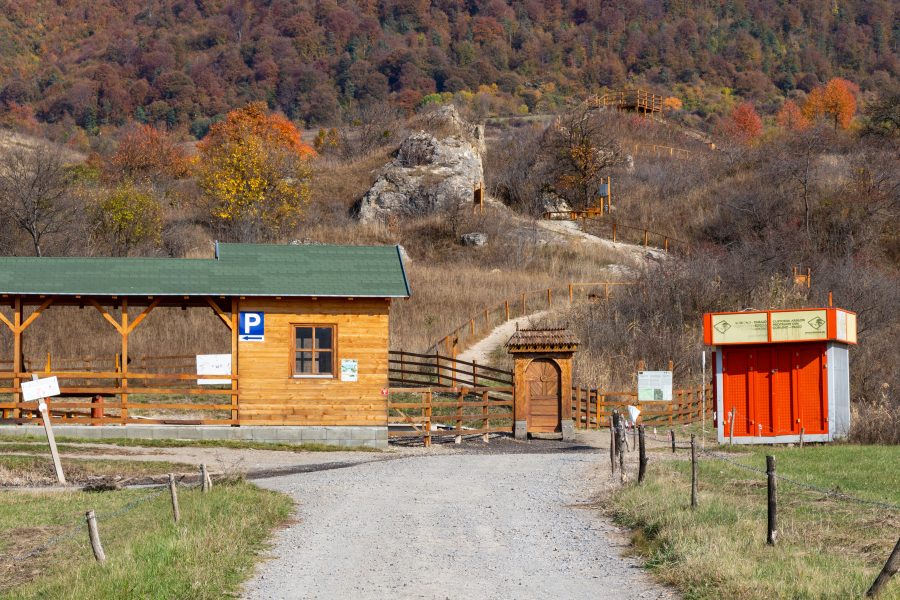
251	327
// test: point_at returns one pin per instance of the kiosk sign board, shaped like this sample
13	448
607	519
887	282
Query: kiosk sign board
740	328
654	386
799	325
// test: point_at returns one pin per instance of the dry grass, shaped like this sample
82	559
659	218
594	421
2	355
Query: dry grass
20	470
826	549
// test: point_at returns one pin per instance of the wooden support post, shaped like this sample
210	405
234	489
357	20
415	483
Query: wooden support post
646	238
472	326
437	367
474	372
578	403
642	455
17	354
524	306
235	408
460	396
506	308
772	528
731	428
606	290
620	446
614	232
693	472
571	293
666	244
487	325
124	410
889	570
549	297
173	492
94	536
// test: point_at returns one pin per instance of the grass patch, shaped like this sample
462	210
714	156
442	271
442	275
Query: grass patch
33	443
38	470
207	555
827	548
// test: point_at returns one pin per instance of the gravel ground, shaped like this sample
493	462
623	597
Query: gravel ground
454	524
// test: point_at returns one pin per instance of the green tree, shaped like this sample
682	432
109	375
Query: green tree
126	218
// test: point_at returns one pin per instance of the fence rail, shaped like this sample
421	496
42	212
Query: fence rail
591	408
427	412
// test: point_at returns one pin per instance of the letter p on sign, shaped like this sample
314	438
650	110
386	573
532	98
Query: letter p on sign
251	327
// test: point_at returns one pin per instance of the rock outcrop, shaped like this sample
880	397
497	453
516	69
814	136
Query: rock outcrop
432	172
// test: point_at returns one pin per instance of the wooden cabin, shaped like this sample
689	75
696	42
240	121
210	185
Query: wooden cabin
309	341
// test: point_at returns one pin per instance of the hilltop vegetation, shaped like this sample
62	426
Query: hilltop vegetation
185	63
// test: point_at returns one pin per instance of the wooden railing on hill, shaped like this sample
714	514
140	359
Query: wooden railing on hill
659	151
484	321
646	237
637	100
591	408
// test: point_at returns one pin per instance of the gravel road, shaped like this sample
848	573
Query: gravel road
458	525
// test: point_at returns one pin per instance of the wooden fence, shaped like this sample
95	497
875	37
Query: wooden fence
591	408
427	412
526	303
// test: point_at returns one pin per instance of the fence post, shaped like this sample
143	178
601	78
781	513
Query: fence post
620	445
731	428
614	232
672	435
524	309
642	455
428	395
176	514
485	423
571	293
772	532
890	568
205	482
578	404
646	238
612	443
459	408
801	436
693	473
506	307
549	297
474	373
94	536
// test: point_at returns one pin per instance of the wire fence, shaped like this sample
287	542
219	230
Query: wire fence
77	528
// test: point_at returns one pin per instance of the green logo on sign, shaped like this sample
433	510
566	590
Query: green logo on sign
816	323
723	326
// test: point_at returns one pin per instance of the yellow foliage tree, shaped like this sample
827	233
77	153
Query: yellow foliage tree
836	101
127	217
672	103
254	171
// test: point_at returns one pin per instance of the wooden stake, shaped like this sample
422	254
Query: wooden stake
772	532
672	435
731	428
612	445
173	491
94	536
693	473
801	436
889	570
205	482
642	455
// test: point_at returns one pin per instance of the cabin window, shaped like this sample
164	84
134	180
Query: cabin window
314	351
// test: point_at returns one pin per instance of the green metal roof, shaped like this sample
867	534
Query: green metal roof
239	270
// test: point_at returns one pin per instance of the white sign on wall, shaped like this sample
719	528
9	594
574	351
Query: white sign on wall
40	388
214	364
655	386
349	369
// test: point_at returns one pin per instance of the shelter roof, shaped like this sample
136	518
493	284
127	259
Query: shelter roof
237	270
557	338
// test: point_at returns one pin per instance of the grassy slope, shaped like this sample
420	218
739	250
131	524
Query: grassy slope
207	555
827	548
30	443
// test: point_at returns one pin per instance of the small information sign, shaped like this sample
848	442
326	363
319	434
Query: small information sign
214	364
40	388
655	386
349	369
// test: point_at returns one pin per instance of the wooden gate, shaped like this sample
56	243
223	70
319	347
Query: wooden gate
544	396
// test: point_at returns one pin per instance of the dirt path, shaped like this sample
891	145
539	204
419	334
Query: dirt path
461	525
574	232
481	350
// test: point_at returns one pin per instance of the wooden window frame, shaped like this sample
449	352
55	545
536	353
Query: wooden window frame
294	350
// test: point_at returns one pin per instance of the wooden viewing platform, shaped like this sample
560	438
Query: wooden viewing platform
635	100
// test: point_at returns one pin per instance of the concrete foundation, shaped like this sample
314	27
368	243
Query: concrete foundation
568	430
375	437
520	430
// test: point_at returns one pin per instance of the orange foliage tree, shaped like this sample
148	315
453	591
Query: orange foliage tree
743	124
144	154
790	117
836	101
253	170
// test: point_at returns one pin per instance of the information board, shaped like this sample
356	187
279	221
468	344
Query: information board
349	369
741	328
799	325
655	386
40	388
214	364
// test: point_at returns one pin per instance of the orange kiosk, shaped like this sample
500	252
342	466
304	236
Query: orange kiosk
782	374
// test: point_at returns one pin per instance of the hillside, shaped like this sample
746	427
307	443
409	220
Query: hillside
184	62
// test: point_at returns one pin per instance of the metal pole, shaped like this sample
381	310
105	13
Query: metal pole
703	401
693	473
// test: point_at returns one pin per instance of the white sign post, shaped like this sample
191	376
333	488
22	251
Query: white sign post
703	401
39	389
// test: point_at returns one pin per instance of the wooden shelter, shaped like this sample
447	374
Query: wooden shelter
543	381
308	328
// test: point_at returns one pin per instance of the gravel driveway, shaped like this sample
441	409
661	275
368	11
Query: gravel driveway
459	525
